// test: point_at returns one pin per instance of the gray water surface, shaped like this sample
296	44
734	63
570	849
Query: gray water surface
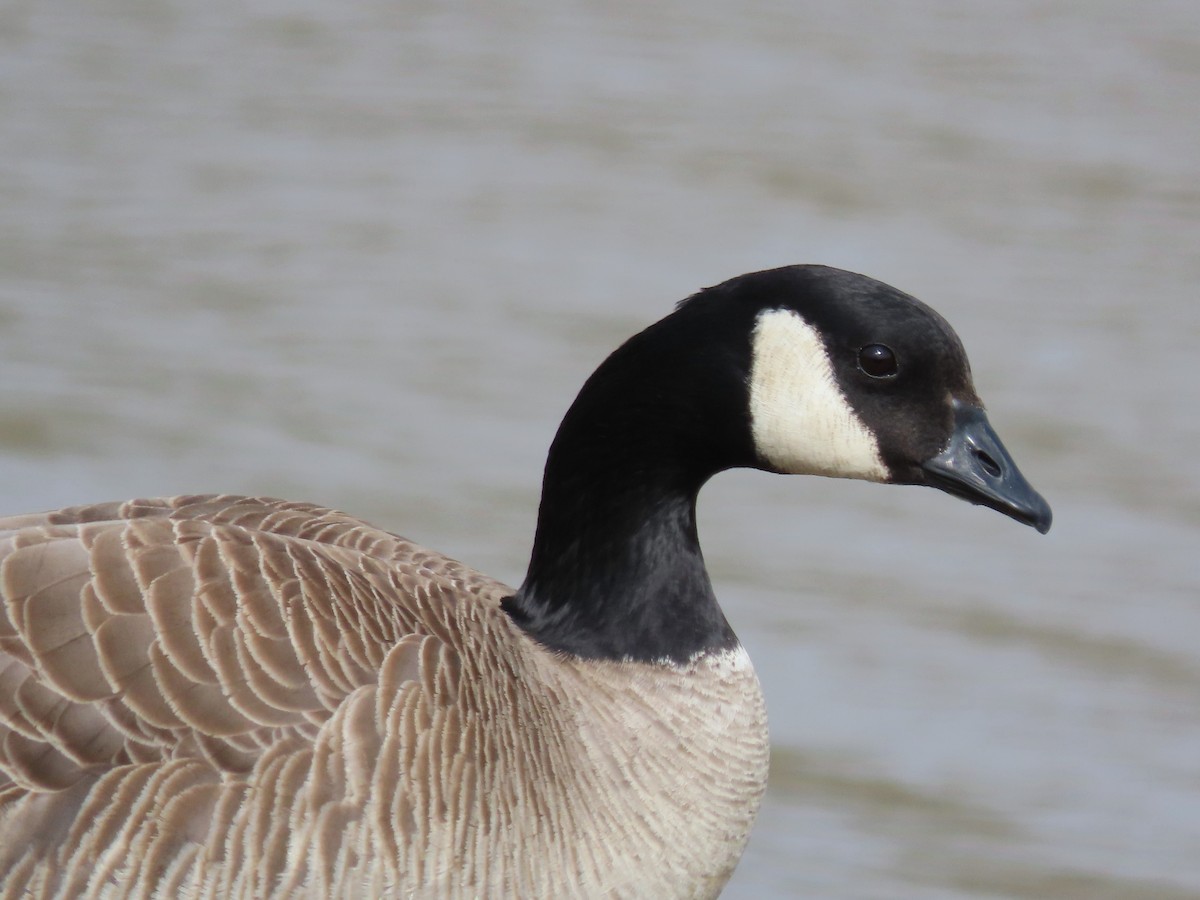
364	253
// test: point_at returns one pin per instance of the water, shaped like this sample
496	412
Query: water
364	254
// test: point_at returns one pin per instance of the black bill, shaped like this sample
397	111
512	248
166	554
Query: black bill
976	467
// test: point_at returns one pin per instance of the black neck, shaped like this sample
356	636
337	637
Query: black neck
616	570
617	573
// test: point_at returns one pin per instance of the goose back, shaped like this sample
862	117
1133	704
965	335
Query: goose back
240	697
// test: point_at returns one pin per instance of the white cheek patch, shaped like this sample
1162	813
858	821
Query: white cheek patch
801	421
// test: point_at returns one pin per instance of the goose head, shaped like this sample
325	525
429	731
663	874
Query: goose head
850	377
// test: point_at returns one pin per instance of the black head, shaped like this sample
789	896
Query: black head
850	377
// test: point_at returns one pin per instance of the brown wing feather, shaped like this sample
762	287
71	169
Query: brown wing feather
162	643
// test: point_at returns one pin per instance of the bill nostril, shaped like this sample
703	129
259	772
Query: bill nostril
989	465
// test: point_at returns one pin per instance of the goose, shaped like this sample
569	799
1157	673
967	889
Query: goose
222	696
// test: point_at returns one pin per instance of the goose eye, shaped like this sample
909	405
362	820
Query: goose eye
877	360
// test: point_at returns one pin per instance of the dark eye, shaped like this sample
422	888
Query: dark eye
877	360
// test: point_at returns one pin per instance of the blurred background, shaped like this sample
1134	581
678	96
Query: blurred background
364	253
